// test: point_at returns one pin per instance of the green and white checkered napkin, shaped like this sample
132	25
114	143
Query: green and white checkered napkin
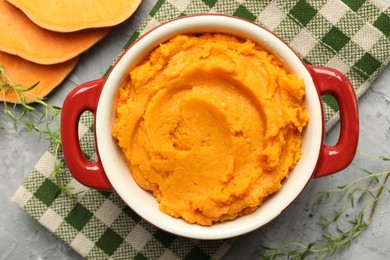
352	36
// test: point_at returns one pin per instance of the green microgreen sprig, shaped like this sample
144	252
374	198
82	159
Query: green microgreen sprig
23	113
339	228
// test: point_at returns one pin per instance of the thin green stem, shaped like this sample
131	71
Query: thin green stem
50	117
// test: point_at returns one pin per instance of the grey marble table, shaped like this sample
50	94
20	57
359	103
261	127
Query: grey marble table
21	237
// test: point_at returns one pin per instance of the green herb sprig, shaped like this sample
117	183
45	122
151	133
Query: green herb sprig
23	113
362	195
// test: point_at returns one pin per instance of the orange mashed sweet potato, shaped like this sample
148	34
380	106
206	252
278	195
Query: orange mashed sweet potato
210	124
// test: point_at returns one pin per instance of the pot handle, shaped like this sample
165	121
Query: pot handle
335	158
83	98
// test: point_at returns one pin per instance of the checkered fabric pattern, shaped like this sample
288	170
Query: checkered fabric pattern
352	36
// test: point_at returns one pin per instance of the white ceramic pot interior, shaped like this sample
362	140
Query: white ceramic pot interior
142	201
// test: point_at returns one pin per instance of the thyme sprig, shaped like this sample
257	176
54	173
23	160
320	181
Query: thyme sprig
24	112
365	191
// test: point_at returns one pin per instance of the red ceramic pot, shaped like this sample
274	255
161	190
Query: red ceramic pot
110	171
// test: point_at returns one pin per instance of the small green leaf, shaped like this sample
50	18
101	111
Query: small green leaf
362	196
33	86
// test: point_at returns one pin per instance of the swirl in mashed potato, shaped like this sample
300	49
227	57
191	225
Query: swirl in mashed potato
211	125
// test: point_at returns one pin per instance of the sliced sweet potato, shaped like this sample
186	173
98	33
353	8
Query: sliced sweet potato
20	36
26	74
74	15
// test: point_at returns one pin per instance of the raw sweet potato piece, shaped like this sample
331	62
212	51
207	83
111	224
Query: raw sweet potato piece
20	36
26	74
74	15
